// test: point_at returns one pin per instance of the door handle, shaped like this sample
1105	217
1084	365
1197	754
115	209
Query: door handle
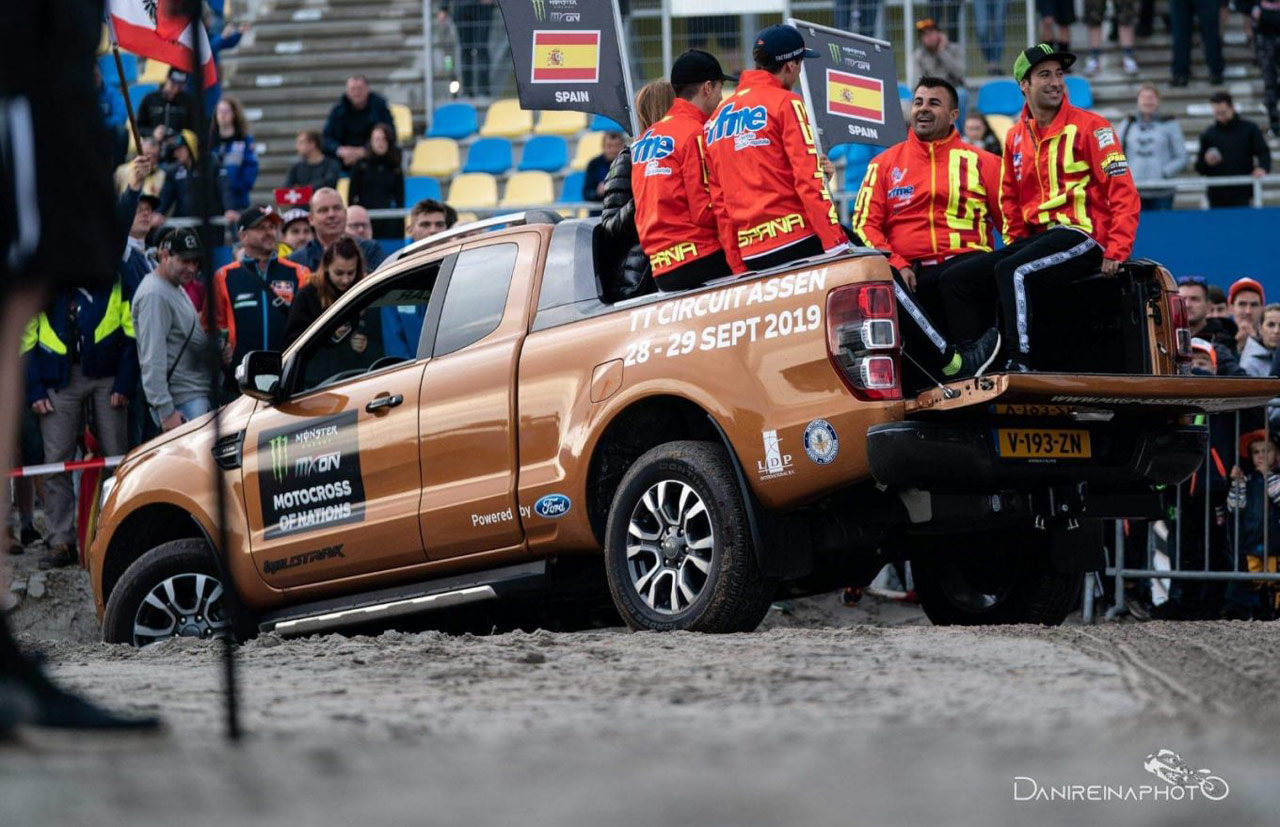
383	403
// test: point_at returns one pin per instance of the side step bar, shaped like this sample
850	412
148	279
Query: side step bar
326	615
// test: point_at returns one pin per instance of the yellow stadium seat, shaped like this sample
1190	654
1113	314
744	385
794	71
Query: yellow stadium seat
344	189
153	71
467	218
560	123
589	146
529	189
505	119
435	157
1000	125
475	190
104	41
403	117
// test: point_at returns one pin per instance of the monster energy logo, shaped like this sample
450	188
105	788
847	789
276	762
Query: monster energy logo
835	52
279	457
1046	48
540	9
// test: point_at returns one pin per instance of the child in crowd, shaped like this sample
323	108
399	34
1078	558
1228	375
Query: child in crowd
1255	500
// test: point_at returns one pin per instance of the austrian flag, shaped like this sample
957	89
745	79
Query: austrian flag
159	29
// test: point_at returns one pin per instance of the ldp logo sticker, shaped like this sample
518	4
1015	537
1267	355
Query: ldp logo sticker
820	442
552	506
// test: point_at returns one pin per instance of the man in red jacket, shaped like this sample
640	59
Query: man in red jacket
1070	206
677	227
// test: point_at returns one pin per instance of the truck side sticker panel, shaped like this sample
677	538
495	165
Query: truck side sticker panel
309	476
776	464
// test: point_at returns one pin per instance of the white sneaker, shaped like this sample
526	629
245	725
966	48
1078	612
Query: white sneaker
1130	66
1092	65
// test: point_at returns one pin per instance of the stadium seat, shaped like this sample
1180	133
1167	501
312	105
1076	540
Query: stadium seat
571	189
1079	91
505	119
453	120
436	157
835	153
548	153
857	158
153	71
107	63
467	218
417	188
1000	125
527	189
344	189
589	146
1001	97
474	190
558	122
599	123
491	155
904	94
403	118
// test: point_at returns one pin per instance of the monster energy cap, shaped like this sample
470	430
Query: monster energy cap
1039	53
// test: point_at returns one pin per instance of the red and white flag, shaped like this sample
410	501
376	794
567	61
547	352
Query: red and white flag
158	29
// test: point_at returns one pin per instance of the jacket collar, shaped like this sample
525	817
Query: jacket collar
682	108
1059	120
922	147
758	77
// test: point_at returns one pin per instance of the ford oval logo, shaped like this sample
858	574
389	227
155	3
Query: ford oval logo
552	506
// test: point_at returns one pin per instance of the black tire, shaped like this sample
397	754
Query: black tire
732	595
183	562
992	578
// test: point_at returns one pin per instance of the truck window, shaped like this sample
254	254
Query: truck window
477	296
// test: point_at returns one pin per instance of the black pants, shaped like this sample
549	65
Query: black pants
1207	12
473	20
811	247
1056	256
695	273
960	291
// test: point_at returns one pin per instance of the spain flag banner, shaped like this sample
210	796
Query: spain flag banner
855	96
566	57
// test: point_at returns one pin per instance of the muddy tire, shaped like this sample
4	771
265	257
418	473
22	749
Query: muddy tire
992	579
678	550
173	590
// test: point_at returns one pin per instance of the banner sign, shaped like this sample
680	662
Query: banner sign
570	54
852	90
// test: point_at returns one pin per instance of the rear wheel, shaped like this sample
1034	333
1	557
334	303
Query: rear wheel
992	578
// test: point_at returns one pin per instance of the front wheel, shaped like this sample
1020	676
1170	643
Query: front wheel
173	590
678	551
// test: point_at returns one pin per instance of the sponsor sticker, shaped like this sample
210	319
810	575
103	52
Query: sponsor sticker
821	445
1115	164
552	506
776	464
309	476
1106	137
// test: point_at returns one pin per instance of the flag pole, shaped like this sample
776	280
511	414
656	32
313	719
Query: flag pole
124	85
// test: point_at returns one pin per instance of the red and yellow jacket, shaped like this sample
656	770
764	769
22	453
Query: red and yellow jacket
1074	174
765	175
929	199
673	202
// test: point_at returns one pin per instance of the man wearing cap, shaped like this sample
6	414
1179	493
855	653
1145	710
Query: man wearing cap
766	179
252	296
935	56
677	227
296	229
1245	298
1070	207
169	106
179	197
171	340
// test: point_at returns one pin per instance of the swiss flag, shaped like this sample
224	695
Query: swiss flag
290	197
158	29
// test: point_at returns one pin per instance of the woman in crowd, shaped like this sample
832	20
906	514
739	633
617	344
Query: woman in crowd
619	241
233	152
355	343
377	180
977	132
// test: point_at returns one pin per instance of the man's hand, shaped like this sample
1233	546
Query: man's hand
1212	156
1258	172
350	154
231	217
600	189
943	41
119	400
828	169
42	407
1110	267
139	169
228	350
1237	473
359	342
173	420
908	278
1244	330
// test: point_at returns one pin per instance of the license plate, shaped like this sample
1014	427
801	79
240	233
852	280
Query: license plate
1033	410
1043	443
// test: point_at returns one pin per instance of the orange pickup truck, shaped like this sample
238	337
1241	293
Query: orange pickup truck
704	452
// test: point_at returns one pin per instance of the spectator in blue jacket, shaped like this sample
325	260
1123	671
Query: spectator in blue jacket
178	197
111	104
233	151
351	121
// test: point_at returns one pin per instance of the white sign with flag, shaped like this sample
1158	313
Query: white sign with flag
158	29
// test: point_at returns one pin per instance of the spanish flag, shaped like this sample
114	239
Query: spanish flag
566	57
855	96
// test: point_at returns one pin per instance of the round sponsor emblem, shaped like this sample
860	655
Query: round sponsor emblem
820	442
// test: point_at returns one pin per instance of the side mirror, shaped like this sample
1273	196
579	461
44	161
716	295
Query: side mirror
260	375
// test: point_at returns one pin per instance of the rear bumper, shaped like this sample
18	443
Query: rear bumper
937	456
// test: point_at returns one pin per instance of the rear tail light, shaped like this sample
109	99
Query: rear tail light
863	341
1181	331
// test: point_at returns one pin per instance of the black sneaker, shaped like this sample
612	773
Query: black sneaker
978	355
1017	364
29	536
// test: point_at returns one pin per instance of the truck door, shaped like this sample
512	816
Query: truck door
332	479
468	446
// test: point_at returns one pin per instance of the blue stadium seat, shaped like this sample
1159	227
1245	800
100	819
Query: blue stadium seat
491	155
600	123
571	189
1002	97
420	187
857	159
1079	91
835	153
454	120
138	91
107	63
904	94
548	153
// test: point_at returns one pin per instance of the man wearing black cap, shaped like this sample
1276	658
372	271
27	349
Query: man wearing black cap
171	340
252	296
677	226
169	106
